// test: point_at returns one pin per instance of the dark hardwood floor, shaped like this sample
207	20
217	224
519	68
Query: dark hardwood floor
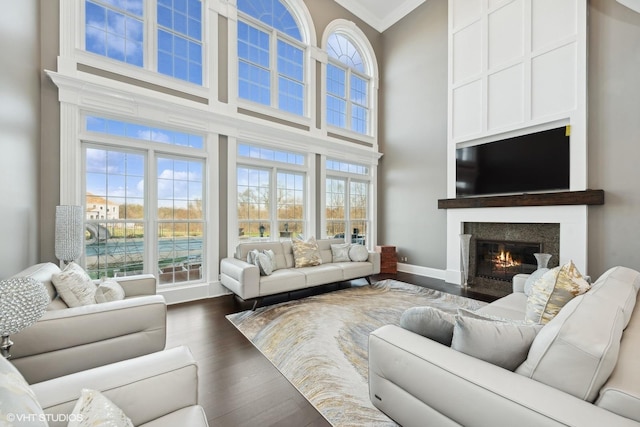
238	386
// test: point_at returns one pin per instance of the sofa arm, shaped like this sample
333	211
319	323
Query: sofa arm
145	388
73	339
240	277
374	258
417	381
138	285
518	282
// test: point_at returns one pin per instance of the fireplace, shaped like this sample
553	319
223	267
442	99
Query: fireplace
500	250
501	260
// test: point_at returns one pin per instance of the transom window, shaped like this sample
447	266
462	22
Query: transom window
271	193
124	202
270	56
116	29
347	86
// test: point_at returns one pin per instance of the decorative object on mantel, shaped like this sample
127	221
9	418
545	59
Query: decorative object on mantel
465	240
587	197
69	234
23	300
543	259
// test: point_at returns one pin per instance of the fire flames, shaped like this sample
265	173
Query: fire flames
504	260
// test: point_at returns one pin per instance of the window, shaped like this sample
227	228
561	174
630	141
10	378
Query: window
116	29
347	201
348	84
123	206
271	193
271	55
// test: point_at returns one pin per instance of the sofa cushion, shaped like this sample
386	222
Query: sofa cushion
500	343
321	274
621	393
95	409
577	350
17	397
553	290
284	280
619	284
75	286
354	270
512	306
429	322
340	252
306	253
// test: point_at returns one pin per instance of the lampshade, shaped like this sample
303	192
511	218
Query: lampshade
69	232
23	301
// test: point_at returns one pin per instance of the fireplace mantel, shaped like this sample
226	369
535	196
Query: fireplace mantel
587	197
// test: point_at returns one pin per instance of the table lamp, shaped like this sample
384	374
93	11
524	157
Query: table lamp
23	300
69	232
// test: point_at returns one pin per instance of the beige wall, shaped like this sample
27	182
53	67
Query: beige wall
414	128
412	173
19	135
614	135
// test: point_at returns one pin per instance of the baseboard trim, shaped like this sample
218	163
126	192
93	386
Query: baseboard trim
422	271
178	294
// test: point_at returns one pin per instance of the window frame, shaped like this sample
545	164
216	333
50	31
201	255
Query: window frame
152	151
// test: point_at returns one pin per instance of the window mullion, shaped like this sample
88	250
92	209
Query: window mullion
273	204
347	85
151	34
273	59
151	213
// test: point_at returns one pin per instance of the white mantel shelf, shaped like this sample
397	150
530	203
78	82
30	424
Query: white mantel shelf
564	198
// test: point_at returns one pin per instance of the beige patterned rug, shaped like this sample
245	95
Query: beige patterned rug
320	343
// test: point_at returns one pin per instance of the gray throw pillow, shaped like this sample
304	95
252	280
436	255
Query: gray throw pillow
358	253
501	343
340	252
263	262
429	322
272	258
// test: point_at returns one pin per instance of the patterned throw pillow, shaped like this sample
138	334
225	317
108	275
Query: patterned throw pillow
272	257
306	253
552	291
94	409
262	260
340	252
74	286
109	290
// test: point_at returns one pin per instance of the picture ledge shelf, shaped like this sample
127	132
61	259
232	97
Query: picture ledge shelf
587	197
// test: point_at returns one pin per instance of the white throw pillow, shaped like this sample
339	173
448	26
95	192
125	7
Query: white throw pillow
263	262
429	322
358	253
501	343
95	409
109	290
74	286
340	252
17	399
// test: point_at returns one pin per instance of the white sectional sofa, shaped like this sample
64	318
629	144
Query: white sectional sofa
582	368
244	279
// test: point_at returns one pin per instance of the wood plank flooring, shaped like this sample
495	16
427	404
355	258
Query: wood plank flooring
238	386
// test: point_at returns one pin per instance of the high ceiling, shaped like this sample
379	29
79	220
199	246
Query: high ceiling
380	14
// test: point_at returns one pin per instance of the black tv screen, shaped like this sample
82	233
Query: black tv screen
536	162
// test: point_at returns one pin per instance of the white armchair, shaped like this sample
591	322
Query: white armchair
67	340
155	390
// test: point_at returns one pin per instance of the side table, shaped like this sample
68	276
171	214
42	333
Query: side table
388	259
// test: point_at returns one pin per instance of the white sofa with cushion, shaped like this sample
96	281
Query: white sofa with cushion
71	339
582	368
244	279
155	390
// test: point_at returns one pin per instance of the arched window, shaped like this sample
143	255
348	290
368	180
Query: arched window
350	74
271	55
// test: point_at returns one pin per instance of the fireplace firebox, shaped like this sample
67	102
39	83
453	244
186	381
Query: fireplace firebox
501	260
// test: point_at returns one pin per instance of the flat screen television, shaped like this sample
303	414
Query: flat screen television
537	162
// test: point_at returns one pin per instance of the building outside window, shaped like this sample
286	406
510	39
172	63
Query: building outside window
163	216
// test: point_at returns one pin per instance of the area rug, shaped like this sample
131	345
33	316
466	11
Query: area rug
320	343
